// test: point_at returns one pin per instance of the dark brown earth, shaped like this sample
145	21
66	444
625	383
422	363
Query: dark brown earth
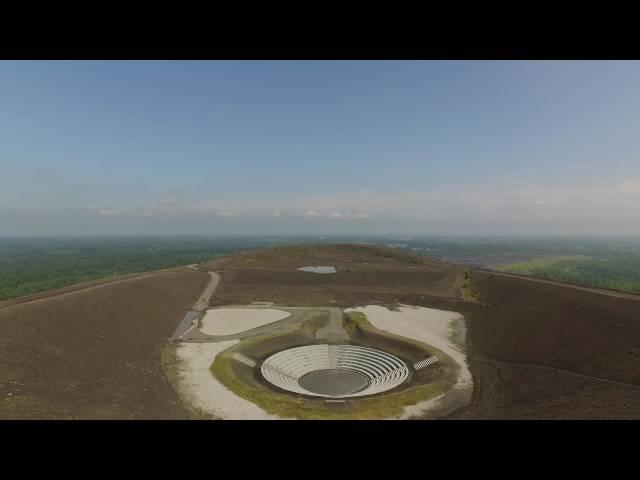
365	275
541	350
96	352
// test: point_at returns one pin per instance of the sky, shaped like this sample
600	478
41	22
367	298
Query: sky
313	147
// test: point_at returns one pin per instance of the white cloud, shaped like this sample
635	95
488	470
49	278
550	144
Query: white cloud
629	185
106	211
348	215
588	206
169	201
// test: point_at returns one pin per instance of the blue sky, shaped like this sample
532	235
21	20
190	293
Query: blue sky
320	147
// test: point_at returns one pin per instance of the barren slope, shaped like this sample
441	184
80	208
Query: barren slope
94	353
541	350
366	274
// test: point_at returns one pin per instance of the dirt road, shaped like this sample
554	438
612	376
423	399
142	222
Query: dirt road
199	307
203	302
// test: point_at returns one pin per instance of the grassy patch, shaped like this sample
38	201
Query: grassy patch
529	267
261	347
457	332
469	294
316	320
170	360
19	407
355	321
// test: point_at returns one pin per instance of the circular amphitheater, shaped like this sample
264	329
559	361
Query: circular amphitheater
334	371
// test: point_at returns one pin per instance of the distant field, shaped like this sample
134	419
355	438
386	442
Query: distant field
607	262
530	267
621	274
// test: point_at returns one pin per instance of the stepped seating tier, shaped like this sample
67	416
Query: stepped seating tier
382	370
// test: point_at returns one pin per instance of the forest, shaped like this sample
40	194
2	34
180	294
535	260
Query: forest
30	265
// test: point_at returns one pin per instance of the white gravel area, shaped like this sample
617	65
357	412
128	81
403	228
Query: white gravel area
430	326
229	321
201	389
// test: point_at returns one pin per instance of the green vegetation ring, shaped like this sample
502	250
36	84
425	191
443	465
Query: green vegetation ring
334	371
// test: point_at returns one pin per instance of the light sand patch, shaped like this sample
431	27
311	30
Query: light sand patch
432	327
201	389
229	321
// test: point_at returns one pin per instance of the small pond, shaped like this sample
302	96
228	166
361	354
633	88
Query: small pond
323	269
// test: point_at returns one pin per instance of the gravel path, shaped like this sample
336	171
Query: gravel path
203	302
200	306
334	332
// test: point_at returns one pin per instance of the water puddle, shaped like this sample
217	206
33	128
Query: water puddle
186	323
319	269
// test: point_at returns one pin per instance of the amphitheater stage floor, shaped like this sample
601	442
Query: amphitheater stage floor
334	382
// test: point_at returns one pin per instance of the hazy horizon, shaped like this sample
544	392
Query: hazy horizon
473	238
462	148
